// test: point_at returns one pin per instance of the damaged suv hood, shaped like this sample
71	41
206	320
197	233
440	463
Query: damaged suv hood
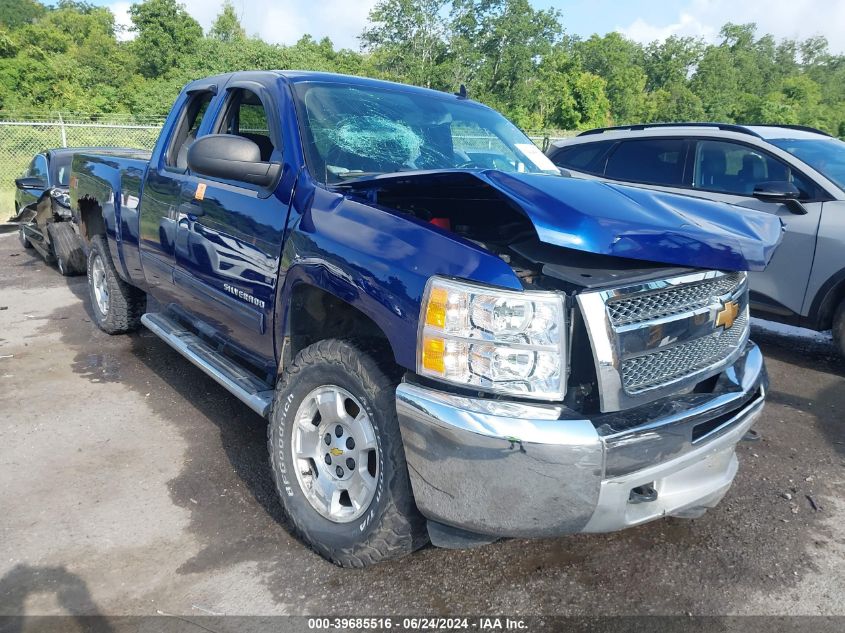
632	222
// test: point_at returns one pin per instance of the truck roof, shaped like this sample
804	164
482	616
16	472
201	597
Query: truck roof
298	76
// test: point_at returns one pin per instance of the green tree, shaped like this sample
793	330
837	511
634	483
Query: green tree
407	39
166	33
498	46
16	13
675	102
227	26
716	84
620	62
672	61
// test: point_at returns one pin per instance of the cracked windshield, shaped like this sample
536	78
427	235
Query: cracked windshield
351	133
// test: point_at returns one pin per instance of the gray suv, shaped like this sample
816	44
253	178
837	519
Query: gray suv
795	172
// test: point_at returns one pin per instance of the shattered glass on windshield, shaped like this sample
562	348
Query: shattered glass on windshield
352	132
375	135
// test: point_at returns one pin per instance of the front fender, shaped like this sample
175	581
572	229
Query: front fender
379	262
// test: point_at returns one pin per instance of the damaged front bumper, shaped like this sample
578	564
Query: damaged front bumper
509	469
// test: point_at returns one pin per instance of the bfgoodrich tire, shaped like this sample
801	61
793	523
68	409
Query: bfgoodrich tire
70	258
116	305
337	456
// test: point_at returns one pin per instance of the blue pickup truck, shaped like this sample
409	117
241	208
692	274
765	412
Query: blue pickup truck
450	341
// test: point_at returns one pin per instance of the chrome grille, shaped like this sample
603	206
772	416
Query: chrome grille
645	372
653	338
665	303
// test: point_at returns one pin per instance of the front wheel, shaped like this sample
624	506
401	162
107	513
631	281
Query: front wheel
117	306
337	457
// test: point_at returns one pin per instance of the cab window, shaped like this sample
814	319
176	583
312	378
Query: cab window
187	128
245	115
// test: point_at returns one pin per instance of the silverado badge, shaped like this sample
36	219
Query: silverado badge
727	315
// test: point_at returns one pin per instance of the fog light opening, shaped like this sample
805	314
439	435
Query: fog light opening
643	494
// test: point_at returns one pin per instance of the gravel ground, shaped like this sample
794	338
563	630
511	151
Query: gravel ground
131	484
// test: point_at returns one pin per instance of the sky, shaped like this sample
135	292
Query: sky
285	21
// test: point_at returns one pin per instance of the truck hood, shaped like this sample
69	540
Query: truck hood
639	223
632	222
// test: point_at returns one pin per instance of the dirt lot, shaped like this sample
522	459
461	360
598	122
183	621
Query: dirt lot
132	484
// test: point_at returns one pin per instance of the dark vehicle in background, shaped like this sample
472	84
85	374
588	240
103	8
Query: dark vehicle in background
793	172
449	340
42	208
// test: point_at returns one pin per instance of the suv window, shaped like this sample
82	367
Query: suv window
186	130
586	157
245	115
734	168
655	161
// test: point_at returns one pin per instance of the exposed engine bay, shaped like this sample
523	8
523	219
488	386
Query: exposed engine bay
469	207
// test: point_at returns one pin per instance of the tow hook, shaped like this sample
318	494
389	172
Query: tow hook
643	494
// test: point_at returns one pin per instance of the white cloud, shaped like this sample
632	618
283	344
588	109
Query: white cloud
121	20
283	22
794	19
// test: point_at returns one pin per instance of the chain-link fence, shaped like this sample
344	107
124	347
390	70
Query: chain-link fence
21	137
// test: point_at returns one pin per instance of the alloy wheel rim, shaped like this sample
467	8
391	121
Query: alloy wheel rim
98	282
335	452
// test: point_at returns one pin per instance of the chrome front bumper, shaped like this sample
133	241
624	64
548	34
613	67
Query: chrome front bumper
526	470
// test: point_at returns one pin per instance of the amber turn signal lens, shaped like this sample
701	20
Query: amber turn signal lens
435	312
433	353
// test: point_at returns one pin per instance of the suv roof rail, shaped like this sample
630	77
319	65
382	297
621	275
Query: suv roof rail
728	127
803	128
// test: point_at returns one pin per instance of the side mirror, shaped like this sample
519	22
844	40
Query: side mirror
780	191
30	183
231	157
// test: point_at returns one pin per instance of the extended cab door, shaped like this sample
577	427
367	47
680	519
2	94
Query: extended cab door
229	234
163	191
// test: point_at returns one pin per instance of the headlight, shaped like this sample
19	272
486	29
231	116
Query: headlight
503	341
61	196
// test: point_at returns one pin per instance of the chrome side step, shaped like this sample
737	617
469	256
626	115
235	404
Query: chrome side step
242	384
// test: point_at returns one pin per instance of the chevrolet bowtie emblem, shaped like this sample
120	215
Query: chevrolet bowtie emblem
727	315
336	452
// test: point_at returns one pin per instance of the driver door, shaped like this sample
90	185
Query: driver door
229	235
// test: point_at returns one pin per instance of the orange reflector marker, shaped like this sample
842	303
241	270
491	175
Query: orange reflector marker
435	312
433	353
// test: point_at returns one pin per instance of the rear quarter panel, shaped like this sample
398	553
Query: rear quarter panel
115	184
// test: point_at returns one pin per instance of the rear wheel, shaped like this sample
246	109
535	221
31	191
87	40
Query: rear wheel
67	248
117	306
337	456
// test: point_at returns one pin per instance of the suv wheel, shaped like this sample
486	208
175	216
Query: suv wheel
839	327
